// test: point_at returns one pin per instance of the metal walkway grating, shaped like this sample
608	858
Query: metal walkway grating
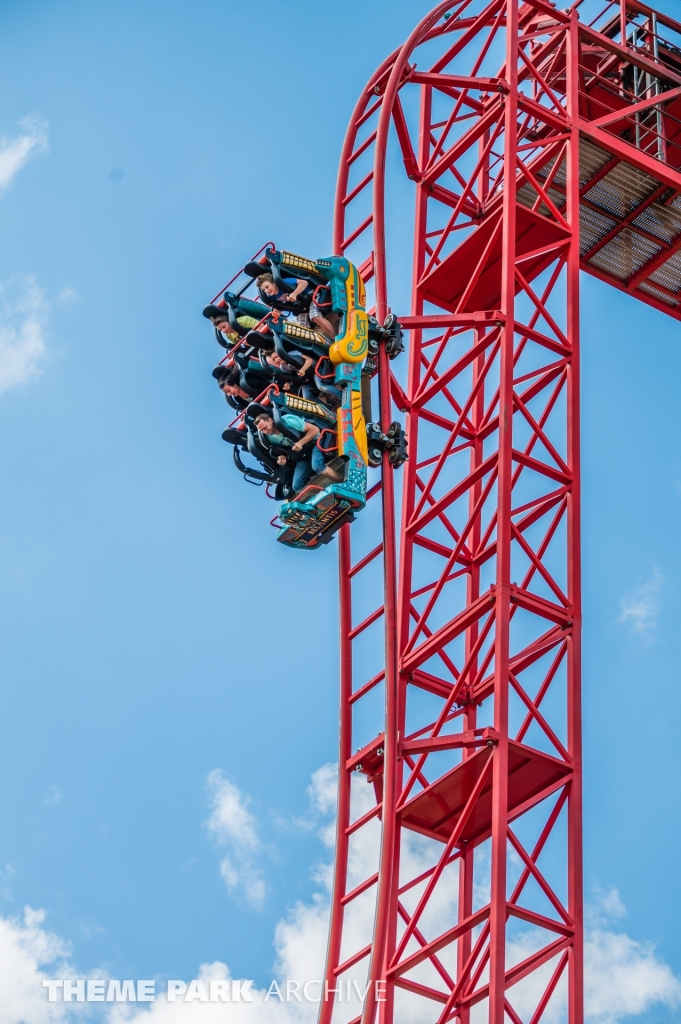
629	223
625	254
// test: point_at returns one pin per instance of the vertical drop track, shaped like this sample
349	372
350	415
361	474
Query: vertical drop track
488	132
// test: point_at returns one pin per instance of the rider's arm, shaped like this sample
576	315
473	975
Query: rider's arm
310	433
300	287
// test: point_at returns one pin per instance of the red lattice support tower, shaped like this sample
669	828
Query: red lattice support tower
506	145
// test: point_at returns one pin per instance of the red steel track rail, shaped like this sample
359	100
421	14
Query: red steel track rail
527	142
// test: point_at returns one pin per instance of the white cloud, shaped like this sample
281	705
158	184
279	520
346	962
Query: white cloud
623	977
233	826
641	605
606	905
230	820
163	1012
53	797
67	296
23	316
26	948
15	153
323	789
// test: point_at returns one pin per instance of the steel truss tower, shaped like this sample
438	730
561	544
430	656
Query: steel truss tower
506	145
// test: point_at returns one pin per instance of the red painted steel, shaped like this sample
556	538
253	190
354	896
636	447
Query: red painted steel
507	145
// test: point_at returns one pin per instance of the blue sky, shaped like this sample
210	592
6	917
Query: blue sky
152	631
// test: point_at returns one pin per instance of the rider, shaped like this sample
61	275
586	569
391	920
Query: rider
275	362
298	288
306	466
230	384
220	320
313	314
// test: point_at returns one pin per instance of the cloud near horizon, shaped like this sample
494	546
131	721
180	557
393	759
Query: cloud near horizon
624	978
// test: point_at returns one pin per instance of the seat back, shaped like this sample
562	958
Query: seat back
309	409
287	264
246	307
304	338
287	350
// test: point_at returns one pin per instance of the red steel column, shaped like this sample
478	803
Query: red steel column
382	924
575	870
345	749
503	581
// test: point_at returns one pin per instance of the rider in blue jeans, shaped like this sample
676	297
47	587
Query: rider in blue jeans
305	467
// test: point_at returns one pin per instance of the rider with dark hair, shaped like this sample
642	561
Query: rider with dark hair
230	385
306	466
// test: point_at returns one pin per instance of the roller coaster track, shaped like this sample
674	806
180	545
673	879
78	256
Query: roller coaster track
504	147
